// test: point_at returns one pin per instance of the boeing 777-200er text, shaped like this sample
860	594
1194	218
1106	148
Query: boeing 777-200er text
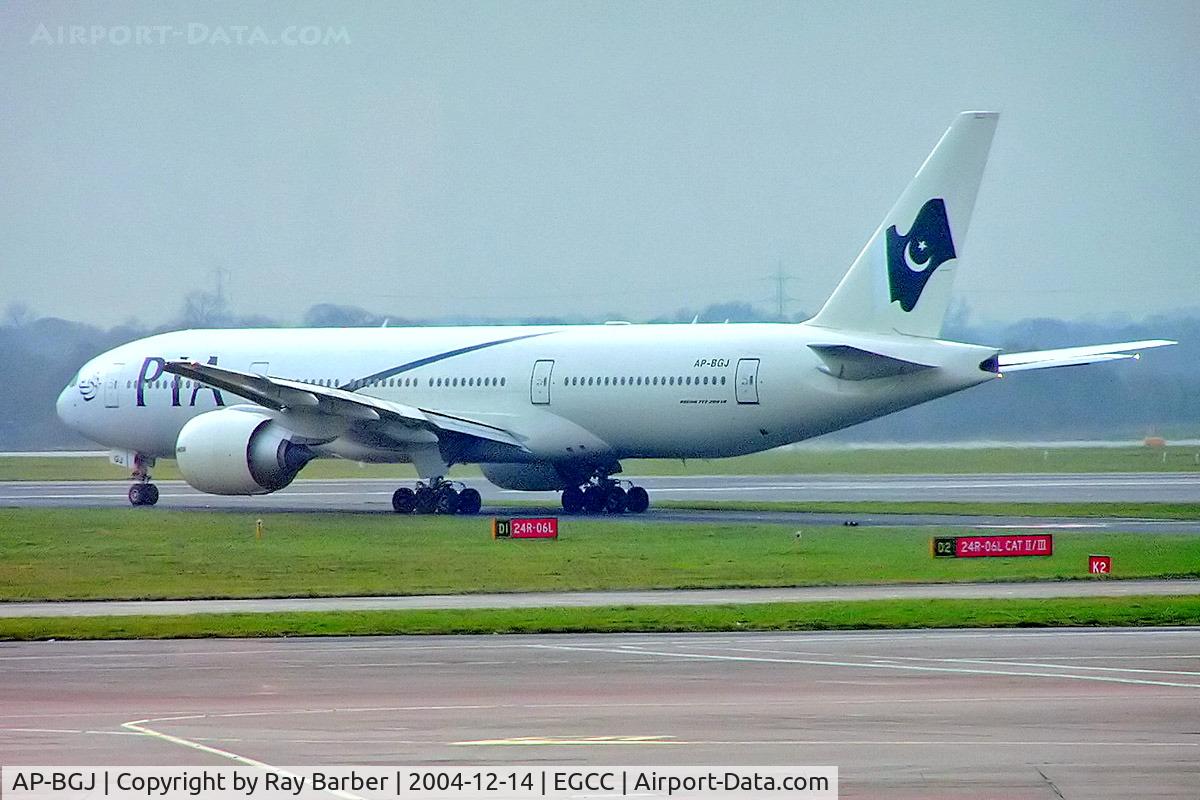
558	407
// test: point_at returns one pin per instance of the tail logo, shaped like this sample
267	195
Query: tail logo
913	257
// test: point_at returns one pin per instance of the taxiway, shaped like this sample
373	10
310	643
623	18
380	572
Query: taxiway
1019	714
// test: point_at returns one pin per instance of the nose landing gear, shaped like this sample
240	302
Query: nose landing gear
142	492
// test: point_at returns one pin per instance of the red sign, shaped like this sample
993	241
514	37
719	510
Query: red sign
525	528
1099	565
1006	546
540	528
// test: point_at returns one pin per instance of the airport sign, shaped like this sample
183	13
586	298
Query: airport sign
525	528
1002	546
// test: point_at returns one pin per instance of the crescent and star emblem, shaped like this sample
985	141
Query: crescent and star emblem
913	264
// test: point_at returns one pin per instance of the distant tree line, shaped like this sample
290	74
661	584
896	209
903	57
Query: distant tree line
1160	395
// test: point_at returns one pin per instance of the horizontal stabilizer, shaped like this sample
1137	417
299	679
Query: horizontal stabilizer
1072	356
855	364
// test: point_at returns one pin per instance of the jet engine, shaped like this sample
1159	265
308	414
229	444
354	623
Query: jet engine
539	477
233	451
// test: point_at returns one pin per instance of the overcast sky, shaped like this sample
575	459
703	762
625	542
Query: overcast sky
618	159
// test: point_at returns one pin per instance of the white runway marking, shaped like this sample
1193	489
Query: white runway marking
139	726
873	665
1041	665
69	730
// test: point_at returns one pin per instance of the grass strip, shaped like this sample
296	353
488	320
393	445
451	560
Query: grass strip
783	461
105	554
860	615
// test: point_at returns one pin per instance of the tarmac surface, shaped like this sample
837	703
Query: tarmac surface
374	496
673	597
1067	713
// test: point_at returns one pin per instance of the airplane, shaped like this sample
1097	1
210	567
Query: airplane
558	407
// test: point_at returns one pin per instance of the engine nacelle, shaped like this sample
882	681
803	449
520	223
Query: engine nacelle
540	477
232	451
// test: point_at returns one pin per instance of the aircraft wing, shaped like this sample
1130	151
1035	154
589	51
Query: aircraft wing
1073	356
280	394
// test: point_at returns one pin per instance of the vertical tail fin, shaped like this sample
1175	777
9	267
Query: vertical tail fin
901	281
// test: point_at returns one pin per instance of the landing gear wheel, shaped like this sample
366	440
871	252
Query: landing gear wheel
469	501
404	500
637	500
143	494
572	499
426	501
593	499
447	501
615	500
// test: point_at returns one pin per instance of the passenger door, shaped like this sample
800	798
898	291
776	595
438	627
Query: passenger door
746	381
539	383
112	386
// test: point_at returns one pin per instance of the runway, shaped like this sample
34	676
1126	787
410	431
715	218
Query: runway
374	495
1014	714
647	597
1133	487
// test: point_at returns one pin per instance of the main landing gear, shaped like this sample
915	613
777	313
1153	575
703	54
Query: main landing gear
602	494
438	496
142	492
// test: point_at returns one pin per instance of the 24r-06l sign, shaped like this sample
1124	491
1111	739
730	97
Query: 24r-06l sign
1004	546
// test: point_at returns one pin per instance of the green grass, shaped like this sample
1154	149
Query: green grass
948	461
148	553
774	462
55	468
873	614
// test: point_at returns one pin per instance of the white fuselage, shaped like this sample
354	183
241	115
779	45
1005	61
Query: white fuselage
566	392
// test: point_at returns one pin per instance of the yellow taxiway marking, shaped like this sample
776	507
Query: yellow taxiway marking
569	740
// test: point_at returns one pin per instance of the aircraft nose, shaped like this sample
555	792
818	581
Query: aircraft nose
66	405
